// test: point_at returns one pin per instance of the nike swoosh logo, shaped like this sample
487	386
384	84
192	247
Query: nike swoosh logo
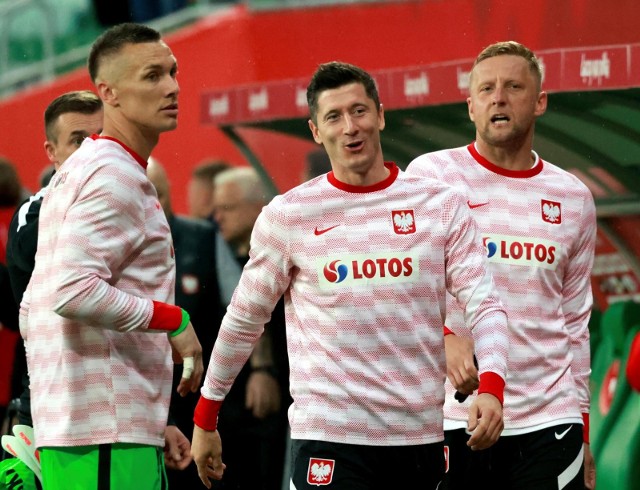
562	434
473	206
318	232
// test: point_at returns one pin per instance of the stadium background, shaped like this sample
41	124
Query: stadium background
243	68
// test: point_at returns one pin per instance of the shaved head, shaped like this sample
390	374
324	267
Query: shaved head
112	41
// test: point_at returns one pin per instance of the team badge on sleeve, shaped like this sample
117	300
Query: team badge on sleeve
551	211
403	221
320	471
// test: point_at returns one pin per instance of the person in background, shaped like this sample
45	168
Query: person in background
46	174
254	419
316	163
98	317
194	242
200	189
10	196
68	120
197	247
363	257
538	227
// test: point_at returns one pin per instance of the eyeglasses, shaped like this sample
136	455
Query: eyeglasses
228	208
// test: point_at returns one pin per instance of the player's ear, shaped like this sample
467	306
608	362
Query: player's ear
107	93
315	132
50	150
381	121
470	109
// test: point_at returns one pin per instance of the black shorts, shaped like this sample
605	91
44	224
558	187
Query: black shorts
548	459
353	467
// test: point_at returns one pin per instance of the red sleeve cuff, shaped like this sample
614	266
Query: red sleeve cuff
206	413
493	384
165	317
585	428
447	331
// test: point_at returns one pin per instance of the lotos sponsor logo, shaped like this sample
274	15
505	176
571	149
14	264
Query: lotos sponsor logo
367	269
335	271
532	252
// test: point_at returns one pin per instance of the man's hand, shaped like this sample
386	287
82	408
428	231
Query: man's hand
589	468
485	422
177	449
262	394
186	348
206	449
461	370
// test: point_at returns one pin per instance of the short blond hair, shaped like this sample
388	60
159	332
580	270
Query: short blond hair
512	48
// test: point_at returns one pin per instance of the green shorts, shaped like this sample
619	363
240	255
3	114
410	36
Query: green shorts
104	467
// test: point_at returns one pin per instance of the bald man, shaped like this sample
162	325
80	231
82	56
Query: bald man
197	292
255	397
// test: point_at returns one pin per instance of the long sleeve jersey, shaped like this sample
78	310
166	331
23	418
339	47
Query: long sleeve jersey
538	229
364	271
98	375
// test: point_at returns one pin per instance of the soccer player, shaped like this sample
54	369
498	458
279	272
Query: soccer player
538	228
97	316
363	256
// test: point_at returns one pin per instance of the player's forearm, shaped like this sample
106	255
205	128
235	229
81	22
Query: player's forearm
90	300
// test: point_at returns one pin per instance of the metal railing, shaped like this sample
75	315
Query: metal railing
14	78
37	71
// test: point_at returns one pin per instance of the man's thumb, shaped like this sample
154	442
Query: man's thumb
473	418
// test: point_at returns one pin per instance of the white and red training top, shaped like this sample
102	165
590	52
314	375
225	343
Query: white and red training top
104	253
538	230
364	271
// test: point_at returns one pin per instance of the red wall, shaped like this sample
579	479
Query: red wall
240	47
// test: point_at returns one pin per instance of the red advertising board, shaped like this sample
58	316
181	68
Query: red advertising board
569	69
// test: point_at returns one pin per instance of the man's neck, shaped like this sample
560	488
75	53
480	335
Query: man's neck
509	158
139	141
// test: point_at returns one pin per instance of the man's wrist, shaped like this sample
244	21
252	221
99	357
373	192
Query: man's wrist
206	413
183	324
165	317
493	384
585	428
